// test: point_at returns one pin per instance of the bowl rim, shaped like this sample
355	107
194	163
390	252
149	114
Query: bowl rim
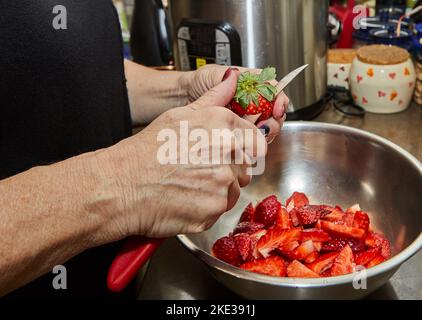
388	265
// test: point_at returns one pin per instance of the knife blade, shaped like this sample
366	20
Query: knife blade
283	83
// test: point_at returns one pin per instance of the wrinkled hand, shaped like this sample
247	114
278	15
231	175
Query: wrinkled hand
207	77
161	200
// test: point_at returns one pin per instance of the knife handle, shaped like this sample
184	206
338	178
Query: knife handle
134	253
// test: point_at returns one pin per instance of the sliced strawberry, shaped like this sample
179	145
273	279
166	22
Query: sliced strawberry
353	209
338	244
296	200
275	238
272	266
315	235
248	227
343	263
255	238
304	250
348	219
283	219
285	249
248	214
361	220
374	240
226	249
267	210
335	215
342	230
312	257
318	224
323	263
299	270
326	273
244	245
294	218
362	258
377	260
338	208
310	214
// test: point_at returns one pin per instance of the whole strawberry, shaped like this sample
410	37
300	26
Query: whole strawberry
255	94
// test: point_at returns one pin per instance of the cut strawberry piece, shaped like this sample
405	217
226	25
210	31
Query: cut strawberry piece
338	208
289	247
353	209
343	264
374	240
315	235
338	244
299	270
342	230
377	260
294	218
272	266
244	245
275	238
304	250
335	215
362	258
348	219
312	257
318	245
248	227
226	249
267	210
361	220
296	200
255	238
323	263
248	214
310	214
283	219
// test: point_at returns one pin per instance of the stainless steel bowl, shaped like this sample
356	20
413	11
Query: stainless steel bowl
332	164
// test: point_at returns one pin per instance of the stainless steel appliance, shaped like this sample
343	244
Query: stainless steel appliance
257	33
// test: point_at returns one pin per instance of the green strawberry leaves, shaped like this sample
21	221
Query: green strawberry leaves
268	74
250	86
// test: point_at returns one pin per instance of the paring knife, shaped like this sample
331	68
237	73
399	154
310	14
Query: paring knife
283	83
137	250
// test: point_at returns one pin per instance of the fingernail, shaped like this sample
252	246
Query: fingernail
265	128
228	73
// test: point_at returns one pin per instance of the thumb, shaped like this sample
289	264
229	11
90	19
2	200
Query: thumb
221	94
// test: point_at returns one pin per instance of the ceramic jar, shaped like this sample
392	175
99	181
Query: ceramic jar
382	79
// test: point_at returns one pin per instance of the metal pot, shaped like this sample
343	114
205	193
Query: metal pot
333	164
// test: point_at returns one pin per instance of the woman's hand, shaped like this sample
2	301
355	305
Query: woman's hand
201	81
161	200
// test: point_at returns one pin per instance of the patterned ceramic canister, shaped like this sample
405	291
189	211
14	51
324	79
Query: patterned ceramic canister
339	63
382	79
338	74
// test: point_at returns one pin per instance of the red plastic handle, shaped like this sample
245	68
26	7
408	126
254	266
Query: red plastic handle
133	255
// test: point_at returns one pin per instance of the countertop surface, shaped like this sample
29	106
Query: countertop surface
174	273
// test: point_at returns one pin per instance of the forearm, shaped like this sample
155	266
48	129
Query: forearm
153	92
48	215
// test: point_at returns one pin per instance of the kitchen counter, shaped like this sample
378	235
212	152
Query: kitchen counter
174	273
